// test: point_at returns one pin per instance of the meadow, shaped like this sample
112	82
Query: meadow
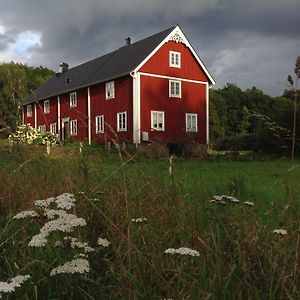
139	208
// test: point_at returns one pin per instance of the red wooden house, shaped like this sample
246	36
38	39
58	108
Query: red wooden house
154	90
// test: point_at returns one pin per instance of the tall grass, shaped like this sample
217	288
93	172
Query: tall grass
240	256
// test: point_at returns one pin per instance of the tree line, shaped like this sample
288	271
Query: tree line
239	120
252	120
16	83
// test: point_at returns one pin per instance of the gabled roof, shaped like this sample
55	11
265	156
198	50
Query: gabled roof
107	67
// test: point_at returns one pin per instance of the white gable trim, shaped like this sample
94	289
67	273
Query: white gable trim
177	36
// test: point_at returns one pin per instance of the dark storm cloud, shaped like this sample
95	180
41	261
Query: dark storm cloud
246	42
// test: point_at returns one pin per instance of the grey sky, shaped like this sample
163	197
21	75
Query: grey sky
247	42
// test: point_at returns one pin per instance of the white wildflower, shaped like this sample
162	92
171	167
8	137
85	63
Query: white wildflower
218	201
77	244
65	201
8	287
44	203
26	214
52	213
249	203
223	198
139	220
79	265
103	242
59	244
65	223
182	251
280	231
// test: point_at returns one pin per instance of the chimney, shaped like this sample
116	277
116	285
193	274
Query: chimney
128	41
63	67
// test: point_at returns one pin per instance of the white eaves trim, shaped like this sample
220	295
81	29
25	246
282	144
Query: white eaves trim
178	32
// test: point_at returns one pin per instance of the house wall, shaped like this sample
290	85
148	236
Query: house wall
109	108
48	118
26	119
159	63
155	75
78	113
155	96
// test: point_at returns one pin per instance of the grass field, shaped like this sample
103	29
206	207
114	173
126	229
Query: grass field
240	257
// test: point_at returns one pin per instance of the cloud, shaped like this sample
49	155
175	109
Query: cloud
237	40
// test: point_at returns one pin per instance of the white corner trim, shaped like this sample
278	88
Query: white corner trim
58	118
89	116
179	36
207	114
136	77
35	116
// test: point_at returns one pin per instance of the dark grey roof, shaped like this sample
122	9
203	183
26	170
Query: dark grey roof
109	66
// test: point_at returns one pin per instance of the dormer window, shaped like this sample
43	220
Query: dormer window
46	107
110	90
73	99
175	59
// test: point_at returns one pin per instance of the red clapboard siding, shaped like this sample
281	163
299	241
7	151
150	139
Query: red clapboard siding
155	96
78	113
109	108
159	63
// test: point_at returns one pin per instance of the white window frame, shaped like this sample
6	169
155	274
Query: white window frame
99	121
189	119
53	128
109	90
29	110
175	59
122	126
155	115
73	127
73	99
42	128
172	91
46	106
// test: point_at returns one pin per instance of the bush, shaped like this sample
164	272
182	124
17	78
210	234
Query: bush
25	134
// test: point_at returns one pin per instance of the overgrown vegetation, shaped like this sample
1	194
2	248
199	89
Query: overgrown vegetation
133	202
252	120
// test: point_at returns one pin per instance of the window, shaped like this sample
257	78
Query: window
157	120
73	99
110	90
175	59
175	88
42	128
191	122
122	121
53	128
99	124
46	106
29	110
73	127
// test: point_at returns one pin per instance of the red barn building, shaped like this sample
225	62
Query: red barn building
154	90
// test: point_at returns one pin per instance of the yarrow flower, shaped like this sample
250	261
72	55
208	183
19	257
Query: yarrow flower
44	203
8	287
223	199
182	251
249	203
79	265
77	244
65	201
25	214
139	220
280	231
103	242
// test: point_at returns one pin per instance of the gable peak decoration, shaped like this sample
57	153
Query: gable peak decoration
178	38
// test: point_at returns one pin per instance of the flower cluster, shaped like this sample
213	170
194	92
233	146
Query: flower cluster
25	134
103	242
139	220
79	265
8	287
74	243
280	231
26	214
224	199
182	251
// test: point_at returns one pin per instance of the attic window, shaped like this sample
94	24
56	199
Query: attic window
110	90
175	59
